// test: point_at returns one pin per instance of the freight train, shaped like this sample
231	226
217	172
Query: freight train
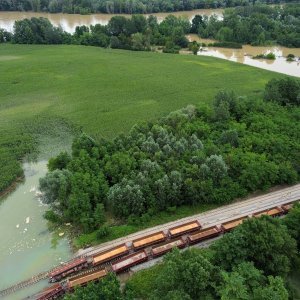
124	256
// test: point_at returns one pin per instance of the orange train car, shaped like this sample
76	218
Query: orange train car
184	228
86	278
52	292
288	206
109	254
228	226
168	246
69	268
129	261
272	212
203	234
148	240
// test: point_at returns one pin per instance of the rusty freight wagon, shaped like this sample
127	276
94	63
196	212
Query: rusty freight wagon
166	247
52	292
203	234
71	267
272	212
184	228
232	224
85	278
287	207
149	240
129	261
110	254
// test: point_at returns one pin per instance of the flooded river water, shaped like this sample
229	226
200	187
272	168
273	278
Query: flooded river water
245	55
68	22
26	244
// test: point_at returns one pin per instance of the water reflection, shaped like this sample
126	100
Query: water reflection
245	55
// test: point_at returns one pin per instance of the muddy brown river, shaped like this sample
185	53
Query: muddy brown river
68	22
245	55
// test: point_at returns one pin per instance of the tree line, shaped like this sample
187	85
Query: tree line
252	262
257	25
121	6
206	155
135	33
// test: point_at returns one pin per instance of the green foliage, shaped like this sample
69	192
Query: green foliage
59	162
172	163
285	91
31	115
225	44
107	289
256	25
122	6
263	241
265	56
292	221
190	275
194	47
137	33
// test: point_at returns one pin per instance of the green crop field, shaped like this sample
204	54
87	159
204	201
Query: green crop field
101	90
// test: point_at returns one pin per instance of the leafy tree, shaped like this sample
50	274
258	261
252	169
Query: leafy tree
188	274
59	162
292	221
285	91
274	255
275	290
107	289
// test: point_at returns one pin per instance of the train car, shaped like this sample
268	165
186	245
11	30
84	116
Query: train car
53	292
148	240
288	206
272	212
69	268
129	261
110	254
168	246
84	279
184	228
228	226
203	234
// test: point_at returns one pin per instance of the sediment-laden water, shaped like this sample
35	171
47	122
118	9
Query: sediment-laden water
245	55
26	246
68	22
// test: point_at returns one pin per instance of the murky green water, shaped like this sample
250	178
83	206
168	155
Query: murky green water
25	247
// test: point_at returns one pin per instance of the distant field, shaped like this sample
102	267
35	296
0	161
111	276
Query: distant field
101	90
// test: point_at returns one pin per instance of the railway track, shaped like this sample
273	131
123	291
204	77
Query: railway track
215	216
23	284
207	219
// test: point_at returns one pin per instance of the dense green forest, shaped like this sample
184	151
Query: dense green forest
121	6
256	25
205	155
255	262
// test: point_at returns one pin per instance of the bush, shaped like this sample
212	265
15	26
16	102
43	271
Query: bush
285	91
227	45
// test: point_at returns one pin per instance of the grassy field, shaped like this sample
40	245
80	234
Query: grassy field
102	91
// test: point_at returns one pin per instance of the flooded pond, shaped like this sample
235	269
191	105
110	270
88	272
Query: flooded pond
26	244
245	54
68	22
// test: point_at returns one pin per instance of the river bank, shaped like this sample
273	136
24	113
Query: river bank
26	244
68	22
